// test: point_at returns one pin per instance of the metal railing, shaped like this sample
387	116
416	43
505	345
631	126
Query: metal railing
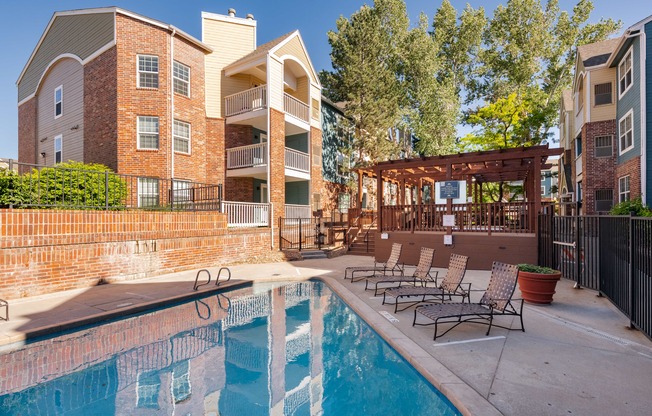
246	156
296	108
36	186
610	254
297	211
246	214
297	160
486	217
246	101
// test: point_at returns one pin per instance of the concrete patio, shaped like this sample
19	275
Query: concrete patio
576	356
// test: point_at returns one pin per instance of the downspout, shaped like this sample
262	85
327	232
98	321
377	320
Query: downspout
174	31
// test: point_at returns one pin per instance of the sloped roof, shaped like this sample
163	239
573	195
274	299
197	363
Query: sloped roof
262	50
597	53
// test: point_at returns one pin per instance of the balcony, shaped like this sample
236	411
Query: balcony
253	155
251	160
246	101
296	108
246	214
296	160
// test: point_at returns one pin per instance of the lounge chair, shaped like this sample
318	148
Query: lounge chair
422	272
451	285
391	265
496	301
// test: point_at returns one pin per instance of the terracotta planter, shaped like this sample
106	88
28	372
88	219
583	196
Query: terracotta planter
537	287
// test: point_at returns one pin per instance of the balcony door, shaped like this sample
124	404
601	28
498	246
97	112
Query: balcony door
263	193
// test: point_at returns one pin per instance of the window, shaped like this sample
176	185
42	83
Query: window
580	95
147	192
625	132
147	132
58	149
603	146
578	146
58	101
543	190
181	191
625	74
623	189
147	71
181	78
579	192
602	93
181	134
149	385
181	388
604	199
343	202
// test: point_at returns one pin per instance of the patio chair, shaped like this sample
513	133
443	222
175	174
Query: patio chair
5	304
451	285
422	272
391	265
496	301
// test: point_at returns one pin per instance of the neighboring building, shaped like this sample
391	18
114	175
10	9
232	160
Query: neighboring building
566	162
550	182
146	99
590	129
632	61
336	136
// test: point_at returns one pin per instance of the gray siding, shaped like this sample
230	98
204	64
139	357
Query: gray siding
631	100
297	193
70	74
80	35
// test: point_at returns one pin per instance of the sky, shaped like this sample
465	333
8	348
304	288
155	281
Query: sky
22	23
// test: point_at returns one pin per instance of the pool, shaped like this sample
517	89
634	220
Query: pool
292	349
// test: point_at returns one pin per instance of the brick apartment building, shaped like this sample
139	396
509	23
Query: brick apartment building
604	122
147	99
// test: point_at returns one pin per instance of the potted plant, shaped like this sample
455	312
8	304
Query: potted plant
537	283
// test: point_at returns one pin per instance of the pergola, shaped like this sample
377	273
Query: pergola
476	168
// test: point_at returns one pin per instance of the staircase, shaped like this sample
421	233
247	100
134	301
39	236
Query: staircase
360	247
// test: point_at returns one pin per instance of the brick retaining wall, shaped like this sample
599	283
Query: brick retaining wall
44	251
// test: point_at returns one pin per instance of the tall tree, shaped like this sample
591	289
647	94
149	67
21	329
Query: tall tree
529	50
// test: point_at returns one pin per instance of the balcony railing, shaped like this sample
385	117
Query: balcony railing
246	156
297	211
296	108
245	101
297	160
246	214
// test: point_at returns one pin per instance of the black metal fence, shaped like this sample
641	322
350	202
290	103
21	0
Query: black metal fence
610	254
312	233
24	185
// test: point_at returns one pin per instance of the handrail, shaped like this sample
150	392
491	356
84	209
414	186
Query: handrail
296	108
245	101
217	279
373	222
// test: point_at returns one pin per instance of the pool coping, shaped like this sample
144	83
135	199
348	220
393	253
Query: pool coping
467	400
71	324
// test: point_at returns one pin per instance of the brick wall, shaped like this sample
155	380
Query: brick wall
101	110
215	149
276	142
237	189
598	172
193	166
135	37
43	251
632	168
27	131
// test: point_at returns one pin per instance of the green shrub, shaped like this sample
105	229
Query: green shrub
70	184
531	268
634	206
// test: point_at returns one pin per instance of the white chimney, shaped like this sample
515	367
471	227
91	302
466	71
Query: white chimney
250	16
232	12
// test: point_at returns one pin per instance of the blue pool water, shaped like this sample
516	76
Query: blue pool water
294	349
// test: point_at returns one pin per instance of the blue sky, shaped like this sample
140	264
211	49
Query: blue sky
22	23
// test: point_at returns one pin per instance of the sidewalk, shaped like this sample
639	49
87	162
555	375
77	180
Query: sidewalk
576	357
